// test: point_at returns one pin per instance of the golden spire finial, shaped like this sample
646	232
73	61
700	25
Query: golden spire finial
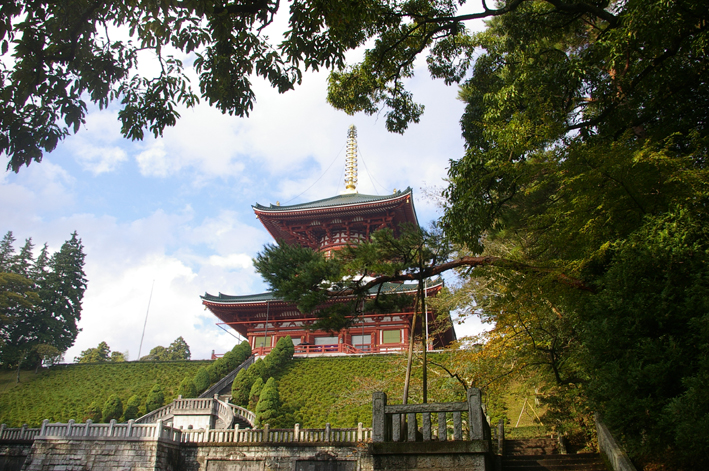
351	161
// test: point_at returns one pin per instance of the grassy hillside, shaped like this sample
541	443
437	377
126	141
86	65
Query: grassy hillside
63	392
339	390
313	391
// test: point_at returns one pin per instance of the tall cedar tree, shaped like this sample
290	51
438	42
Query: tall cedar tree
49	326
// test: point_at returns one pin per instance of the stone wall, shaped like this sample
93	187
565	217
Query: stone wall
79	454
12	455
610	450
226	457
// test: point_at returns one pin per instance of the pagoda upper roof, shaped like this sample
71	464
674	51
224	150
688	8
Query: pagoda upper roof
387	288
307	223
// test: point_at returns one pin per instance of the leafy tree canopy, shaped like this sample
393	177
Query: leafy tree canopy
101	354
178	350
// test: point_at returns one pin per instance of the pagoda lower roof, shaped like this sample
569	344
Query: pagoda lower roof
387	288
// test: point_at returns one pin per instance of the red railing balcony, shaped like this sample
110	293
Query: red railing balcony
341	348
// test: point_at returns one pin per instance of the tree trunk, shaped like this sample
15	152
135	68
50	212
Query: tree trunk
409	361
422	304
18	371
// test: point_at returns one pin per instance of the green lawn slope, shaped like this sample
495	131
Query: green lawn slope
338	390
313	391
63	392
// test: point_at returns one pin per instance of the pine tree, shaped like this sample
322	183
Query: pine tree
22	263
51	321
7	252
61	292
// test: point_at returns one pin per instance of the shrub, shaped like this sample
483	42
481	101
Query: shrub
201	380
187	388
240	389
132	408
112	409
255	393
269	403
155	400
92	412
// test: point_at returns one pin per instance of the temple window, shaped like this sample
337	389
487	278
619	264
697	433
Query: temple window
391	336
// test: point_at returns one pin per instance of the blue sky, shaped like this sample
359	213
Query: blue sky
177	210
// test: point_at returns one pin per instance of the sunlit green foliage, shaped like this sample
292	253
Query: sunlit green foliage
187	388
132	410
64	392
112	409
269	404
155	399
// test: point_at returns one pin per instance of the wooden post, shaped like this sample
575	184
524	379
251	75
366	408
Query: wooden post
475	414
379	429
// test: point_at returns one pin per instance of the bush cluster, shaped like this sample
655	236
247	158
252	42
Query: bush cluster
256	388
262	369
194	385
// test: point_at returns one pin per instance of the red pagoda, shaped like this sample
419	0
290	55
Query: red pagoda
327	225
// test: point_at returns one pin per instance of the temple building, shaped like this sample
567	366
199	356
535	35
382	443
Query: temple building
327	225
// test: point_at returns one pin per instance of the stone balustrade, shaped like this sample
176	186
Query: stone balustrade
126	431
268	435
23	433
400	422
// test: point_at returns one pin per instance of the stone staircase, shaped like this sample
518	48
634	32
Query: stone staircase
542	454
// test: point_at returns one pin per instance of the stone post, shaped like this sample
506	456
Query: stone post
296	433
23	431
265	432
69	425
475	414
111	427
328	433
129	432
379	428
42	432
360	432
3	427
501	437
158	429
87	427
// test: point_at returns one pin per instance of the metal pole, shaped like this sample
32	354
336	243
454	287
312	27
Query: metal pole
265	333
146	319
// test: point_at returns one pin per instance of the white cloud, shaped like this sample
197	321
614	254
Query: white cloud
153	161
236	260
